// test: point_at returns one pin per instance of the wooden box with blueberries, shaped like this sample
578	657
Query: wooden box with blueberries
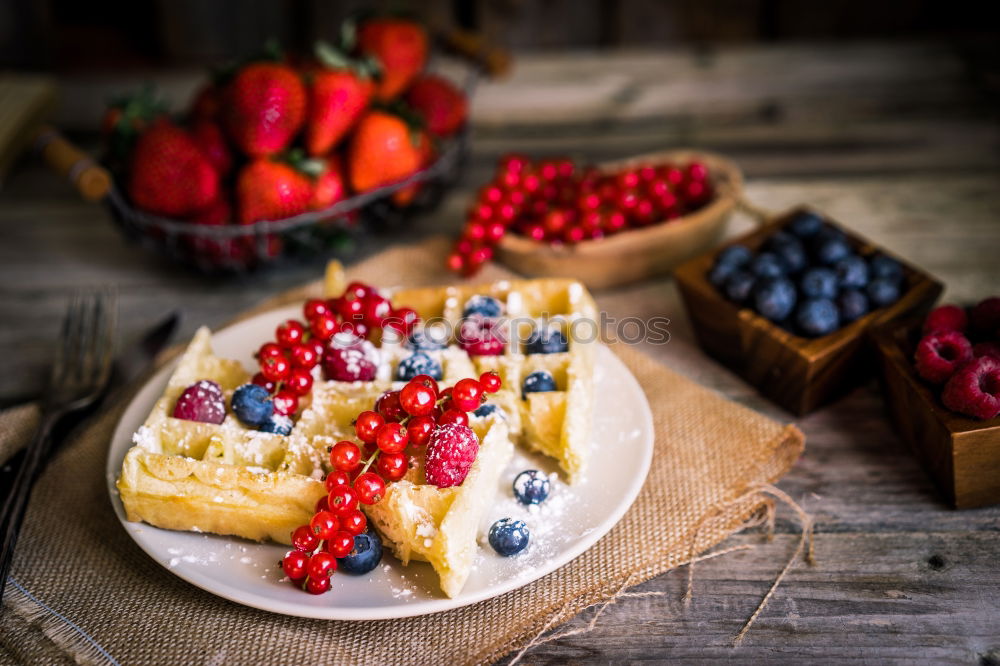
787	306
941	380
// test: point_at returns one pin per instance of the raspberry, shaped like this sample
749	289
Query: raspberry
350	359
987	349
985	317
202	401
480	336
974	390
946	318
939	354
450	453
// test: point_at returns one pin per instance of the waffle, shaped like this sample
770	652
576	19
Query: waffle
556	423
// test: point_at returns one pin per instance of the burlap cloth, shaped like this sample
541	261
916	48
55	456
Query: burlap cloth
83	590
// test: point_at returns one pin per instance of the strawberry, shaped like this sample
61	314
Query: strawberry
265	106
329	186
209	137
170	175
383	150
125	119
442	106
405	196
339	91
271	190
400	46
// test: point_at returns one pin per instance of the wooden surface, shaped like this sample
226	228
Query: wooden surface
898	141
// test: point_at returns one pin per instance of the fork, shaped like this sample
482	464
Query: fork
80	372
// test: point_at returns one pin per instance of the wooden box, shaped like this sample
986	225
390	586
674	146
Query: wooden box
962	455
800	374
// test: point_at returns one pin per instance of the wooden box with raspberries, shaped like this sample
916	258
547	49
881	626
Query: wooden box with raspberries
796	369
960	452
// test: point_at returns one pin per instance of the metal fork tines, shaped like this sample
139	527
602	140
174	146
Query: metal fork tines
80	372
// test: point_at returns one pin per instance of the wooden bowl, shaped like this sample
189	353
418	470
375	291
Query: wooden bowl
636	254
961	455
800	374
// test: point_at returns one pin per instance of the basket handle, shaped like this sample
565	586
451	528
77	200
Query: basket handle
495	61
89	178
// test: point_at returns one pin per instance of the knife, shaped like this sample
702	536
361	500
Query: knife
129	365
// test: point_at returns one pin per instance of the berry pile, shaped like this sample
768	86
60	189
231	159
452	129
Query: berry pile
554	201
419	416
960	353
808	278
335	335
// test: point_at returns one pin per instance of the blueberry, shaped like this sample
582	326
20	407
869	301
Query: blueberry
831	250
775	298
739	285
720	273
852	272
489	408
767	265
531	487
509	537
789	251
853	304
537	382
546	341
735	256
818	283
806	225
422	340
818	316
883	292
418	363
485	306
365	556
252	405
886	268
279	424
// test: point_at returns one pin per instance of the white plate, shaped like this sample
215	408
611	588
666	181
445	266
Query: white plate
568	523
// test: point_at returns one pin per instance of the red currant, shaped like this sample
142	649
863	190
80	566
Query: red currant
358	290
260	380
317	585
513	163
294	564
455	262
336	478
389	407
370	488
554	222
315	307
322	504
419	429
428	381
467	394
417	399
697	171
375	309
671	174
275	368
366	425
304	356
490	194
535	232
324	326
574	235
391	438
286	402
345	456
290	333
342	499
408	317
490	381
475	231
614	221
647	173
340	544
269	350
627	179
319	346
455	416
321	565
351	309
324	524
300	381
354	522
392	466
304	539
495	231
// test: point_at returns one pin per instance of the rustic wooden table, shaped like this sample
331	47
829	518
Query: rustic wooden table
898	141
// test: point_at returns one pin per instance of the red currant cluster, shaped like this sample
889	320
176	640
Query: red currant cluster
400	419
286	364
554	202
